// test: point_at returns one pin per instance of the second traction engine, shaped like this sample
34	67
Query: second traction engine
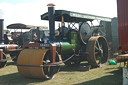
41	59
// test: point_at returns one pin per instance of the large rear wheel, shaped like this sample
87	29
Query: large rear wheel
97	49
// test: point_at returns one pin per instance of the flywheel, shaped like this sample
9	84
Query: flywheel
85	32
97	49
35	63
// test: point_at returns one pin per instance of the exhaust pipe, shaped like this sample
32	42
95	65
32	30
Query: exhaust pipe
51	17
1	30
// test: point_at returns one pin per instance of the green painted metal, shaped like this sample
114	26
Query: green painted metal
67	48
75	40
70	16
73	45
74	37
87	16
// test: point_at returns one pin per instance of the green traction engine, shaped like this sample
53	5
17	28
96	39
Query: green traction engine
73	41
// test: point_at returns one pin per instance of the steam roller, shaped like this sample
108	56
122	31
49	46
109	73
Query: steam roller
5	46
72	45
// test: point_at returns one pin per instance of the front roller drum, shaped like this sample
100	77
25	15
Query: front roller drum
97	49
35	63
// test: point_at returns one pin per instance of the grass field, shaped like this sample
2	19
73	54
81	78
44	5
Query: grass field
107	75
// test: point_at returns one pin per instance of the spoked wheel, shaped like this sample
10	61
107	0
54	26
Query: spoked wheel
36	63
2	64
69	62
14	56
49	68
97	49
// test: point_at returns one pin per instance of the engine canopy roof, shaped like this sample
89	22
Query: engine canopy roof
70	16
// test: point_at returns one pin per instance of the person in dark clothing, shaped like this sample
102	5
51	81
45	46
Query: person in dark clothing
6	40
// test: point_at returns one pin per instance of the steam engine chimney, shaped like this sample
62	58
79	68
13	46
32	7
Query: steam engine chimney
1	30
51	17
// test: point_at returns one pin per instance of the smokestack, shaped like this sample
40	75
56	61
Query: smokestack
1	30
51	17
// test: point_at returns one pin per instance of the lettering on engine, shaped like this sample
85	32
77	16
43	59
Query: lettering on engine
44	46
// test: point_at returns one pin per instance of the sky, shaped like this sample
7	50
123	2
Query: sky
29	11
